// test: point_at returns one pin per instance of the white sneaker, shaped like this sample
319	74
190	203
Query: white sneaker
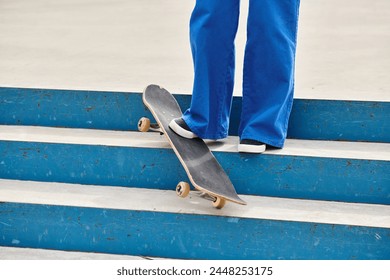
181	128
251	146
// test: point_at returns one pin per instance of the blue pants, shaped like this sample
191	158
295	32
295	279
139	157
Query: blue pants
268	78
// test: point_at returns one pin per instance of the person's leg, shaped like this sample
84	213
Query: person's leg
213	27
268	82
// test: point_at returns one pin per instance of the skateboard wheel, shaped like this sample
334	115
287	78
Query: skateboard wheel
183	189
143	124
219	203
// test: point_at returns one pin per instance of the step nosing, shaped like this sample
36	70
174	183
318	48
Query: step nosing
165	201
132	139
15	253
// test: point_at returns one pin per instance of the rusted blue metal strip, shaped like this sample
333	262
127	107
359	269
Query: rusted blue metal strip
186	236
310	119
350	180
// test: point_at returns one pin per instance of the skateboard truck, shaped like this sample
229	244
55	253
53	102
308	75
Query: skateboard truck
183	189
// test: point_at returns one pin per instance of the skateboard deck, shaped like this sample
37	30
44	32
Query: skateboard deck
202	168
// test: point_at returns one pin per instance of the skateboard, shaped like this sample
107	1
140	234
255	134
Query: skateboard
202	168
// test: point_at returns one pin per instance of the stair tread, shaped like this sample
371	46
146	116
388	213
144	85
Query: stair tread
293	147
14	253
270	208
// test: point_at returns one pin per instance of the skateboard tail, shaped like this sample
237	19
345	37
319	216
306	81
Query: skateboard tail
234	199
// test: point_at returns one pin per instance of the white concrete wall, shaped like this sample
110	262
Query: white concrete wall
343	48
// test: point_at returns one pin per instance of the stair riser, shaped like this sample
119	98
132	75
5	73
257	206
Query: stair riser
183	235
366	181
310	119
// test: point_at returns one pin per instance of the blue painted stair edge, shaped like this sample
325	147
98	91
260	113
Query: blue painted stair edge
186	236
310	119
336	179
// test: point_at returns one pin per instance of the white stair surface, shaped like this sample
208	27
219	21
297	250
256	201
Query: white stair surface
11	253
293	147
136	199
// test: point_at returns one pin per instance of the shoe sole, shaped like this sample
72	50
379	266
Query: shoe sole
251	149
181	131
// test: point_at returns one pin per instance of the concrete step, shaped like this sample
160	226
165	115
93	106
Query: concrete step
346	120
149	222
14	253
324	170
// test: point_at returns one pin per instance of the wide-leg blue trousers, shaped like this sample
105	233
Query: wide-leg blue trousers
268	77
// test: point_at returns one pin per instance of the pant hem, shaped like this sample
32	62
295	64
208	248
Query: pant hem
201	135
278	144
